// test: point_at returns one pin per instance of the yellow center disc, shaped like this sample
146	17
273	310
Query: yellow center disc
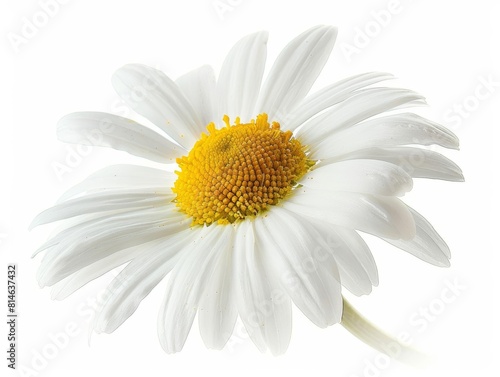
238	171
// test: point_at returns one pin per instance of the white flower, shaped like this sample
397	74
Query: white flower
258	215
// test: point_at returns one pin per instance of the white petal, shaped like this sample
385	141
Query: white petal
240	77
295	71
264	308
199	88
105	201
362	105
85	243
366	176
108	130
218	312
251	288
152	94
427	243
379	215
357	268
312	281
187	285
417	162
331	95
72	283
121	176
361	251
388	131
136	280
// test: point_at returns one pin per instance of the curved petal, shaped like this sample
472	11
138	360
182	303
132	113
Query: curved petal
199	88
264	308
363	105
381	216
331	95
357	268
387	131
427	243
358	247
295	71
417	162
312	281
152	94
241	76
110	200
121	176
366	176
85	243
108	130
136	280
187	285
78	279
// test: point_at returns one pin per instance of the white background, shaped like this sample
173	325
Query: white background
444	50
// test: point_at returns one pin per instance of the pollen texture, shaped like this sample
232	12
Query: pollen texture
238	171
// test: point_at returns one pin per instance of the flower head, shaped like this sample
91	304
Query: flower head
238	171
271	188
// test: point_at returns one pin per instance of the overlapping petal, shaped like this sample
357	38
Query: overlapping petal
295	71
152	94
198	87
187	285
417	162
362	105
240	78
360	175
136	280
312	281
108	130
381	216
264	308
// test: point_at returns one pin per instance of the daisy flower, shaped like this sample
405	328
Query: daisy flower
271	188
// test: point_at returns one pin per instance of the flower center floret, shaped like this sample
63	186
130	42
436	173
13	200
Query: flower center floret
238	171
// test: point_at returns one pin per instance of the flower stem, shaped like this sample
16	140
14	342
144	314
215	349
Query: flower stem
371	335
